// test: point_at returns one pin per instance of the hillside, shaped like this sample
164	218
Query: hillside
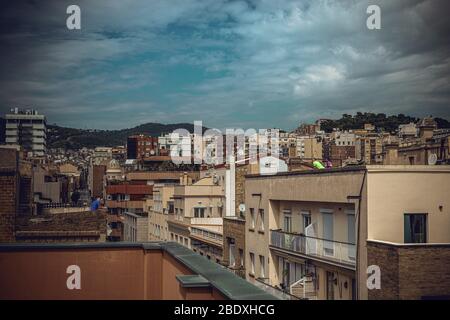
380	120
70	138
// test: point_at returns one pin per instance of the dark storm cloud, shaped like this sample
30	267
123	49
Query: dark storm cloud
228	63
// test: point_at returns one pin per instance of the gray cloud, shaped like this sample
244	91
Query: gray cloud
228	63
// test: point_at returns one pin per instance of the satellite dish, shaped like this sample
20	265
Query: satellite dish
432	159
242	207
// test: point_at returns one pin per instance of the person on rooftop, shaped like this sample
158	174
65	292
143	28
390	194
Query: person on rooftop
318	165
95	205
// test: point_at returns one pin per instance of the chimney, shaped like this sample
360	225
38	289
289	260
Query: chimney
185	179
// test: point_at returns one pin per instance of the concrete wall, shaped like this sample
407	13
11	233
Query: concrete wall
106	273
394	191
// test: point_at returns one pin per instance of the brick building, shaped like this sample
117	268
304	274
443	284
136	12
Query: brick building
234	244
15	191
141	146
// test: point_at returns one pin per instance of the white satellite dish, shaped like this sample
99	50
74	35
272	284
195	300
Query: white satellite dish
242	207
432	159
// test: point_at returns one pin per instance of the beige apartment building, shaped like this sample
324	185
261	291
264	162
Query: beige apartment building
161	207
313	234
197	220
309	147
369	148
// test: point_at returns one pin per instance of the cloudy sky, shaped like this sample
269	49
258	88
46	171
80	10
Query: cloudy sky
252	63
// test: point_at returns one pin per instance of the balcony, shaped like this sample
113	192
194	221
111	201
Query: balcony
274	291
335	252
209	236
138	271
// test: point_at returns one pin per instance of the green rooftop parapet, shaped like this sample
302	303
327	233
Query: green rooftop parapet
193	281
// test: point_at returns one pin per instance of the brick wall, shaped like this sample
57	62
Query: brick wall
233	228
8	205
71	227
9	179
411	272
98	174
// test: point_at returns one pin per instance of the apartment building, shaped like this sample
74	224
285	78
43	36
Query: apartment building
369	148
126	216
28	129
309	147
197	219
313	234
135	227
98	164
141	146
163	205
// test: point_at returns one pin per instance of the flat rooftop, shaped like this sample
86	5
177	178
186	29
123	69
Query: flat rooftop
369	168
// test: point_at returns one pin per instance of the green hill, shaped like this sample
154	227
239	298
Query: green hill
70	138
379	120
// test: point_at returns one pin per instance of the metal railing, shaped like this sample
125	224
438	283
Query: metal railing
62	205
280	294
322	248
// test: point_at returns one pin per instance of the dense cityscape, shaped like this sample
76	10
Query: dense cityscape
305	222
225	158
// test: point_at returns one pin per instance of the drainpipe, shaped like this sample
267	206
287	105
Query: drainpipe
358	228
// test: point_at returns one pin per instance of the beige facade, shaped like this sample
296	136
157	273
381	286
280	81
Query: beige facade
309	147
307	232
369	148
162	206
135	227
197	219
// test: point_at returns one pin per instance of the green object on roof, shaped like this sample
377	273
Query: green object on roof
318	165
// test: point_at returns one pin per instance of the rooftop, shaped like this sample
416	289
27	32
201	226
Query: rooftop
150	270
370	168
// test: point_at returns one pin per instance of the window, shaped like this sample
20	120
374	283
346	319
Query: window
231	253
328	246
415	228
241	257
199	212
252	218
252	263
261	219
287	221
306	220
351	235
262	265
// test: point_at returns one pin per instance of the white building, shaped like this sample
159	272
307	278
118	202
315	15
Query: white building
27	129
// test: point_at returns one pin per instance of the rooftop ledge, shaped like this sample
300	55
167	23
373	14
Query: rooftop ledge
368	168
118	270
406	245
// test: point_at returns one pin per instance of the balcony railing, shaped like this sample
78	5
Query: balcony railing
334	251
276	292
